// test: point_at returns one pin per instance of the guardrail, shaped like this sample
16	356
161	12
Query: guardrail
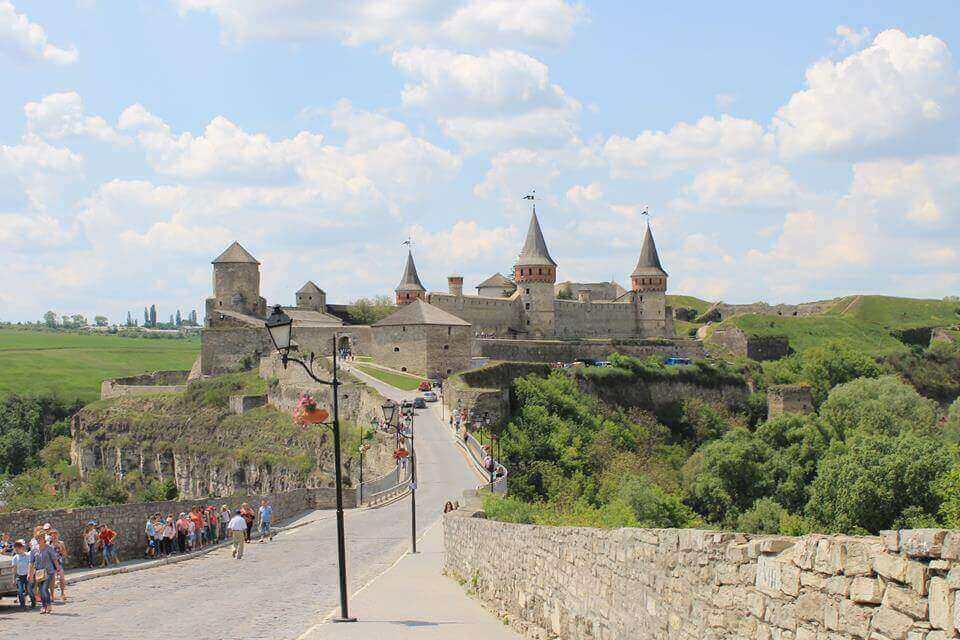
475	450
385	487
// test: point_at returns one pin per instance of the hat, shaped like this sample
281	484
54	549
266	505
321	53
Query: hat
237	512
224	507
46	526
20	542
92	523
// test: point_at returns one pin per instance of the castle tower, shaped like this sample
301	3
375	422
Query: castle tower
236	284
535	274
410	287
649	275
310	296
455	285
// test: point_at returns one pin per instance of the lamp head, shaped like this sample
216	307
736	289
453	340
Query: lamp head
279	325
389	410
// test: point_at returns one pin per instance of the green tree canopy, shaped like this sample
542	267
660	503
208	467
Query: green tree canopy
882	405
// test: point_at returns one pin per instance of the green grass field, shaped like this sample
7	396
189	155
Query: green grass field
398	380
898	313
73	365
688	301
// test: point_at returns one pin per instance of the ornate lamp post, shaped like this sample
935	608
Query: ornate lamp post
362	449
279	326
391	416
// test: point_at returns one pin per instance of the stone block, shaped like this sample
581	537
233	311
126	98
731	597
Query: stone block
922	543
811	579
917	576
905	601
865	590
890	566
837	586
790	579
951	546
829	557
891	623
810	606
891	541
776	545
940	605
856	560
854	619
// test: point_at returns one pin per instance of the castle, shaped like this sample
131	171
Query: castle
528	307
436	332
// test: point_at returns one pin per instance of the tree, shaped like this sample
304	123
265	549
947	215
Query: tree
882	405
797	443
146	317
50	319
15	450
78	320
179	319
823	368
129	319
874	480
100	321
153	315
370	310
565	293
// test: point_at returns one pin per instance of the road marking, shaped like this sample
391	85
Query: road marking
336	610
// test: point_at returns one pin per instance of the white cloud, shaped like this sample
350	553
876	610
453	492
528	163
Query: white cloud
582	196
392	23
59	115
467	241
515	172
850	38
25	232
661	153
499	99
897	86
744	185
21	38
926	191
40	168
725	100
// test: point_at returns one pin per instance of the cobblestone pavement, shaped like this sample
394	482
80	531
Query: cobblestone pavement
278	590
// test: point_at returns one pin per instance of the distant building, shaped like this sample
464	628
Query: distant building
789	398
496	286
422	339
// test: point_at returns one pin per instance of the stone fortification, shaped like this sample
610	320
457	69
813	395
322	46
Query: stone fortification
571	350
721	310
666	584
789	398
145	384
736	341
128	520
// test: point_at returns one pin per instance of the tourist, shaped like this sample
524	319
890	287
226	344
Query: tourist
238	530
191	533
90	542
214	521
6	546
21	561
183	529
196	528
151	531
60	579
108	538
224	521
44	563
266	515
249	516
167	534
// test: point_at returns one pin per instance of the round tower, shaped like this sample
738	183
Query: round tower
535	274
236	282
410	287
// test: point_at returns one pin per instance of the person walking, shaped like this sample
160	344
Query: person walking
150	530
60	579
238	529
224	521
168	533
266	516
44	563
90	542
183	527
249	516
21	561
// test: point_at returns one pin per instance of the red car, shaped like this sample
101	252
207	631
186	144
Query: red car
424	386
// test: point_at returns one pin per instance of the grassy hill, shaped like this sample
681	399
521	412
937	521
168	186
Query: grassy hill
897	313
690	302
72	365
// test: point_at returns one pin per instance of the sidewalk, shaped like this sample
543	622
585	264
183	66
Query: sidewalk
413	599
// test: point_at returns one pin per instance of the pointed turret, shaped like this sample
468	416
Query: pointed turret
310	296
649	274
534	263
235	253
410	287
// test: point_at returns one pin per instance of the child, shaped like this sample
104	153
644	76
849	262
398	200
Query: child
21	560
6	546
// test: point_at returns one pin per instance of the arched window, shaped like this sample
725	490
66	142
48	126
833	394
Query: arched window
396	349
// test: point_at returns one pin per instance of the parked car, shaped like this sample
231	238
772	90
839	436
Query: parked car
424	386
419	403
430	396
8	577
675	361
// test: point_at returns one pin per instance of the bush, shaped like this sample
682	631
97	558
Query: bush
763	517
882	405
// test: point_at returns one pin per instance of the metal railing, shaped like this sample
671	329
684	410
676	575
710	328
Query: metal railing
387	486
475	450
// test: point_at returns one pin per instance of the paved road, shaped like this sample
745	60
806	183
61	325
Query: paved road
279	589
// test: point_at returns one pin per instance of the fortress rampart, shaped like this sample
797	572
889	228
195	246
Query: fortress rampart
685	584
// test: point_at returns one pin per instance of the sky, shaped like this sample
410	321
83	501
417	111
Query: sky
785	153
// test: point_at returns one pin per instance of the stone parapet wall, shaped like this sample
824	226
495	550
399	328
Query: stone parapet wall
685	584
129	520
145	384
570	350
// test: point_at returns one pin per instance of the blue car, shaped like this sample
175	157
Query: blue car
675	361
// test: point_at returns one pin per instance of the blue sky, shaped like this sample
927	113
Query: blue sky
786	153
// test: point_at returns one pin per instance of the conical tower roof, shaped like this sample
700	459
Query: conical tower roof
236	253
649	261
534	252
410	280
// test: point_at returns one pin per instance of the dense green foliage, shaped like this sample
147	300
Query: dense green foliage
27	424
72	365
370	310
877	454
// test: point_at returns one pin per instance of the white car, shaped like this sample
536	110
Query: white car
430	396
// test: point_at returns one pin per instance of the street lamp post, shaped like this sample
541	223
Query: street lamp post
279	326
390	411
362	449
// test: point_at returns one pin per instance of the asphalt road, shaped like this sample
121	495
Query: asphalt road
279	589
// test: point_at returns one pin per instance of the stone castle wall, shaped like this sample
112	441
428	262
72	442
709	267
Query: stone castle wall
570	350
789	398
401	347
145	384
497	316
684	584
225	349
129	520
612	320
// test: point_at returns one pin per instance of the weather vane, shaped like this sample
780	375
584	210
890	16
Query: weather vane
646	212
532	196
408	242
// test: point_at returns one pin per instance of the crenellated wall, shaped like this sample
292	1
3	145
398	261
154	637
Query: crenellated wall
570	350
685	584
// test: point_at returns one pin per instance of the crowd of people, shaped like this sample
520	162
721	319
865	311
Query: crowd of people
40	562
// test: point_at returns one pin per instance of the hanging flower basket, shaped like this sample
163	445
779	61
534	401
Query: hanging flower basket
309	412
400	453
